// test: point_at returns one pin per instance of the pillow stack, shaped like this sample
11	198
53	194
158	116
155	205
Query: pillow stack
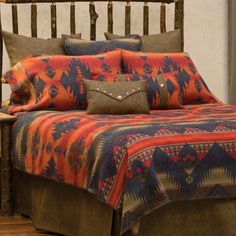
58	81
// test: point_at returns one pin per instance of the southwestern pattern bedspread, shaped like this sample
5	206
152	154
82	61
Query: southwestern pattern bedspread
133	162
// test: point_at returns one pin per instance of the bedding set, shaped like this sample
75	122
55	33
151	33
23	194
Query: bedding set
152	132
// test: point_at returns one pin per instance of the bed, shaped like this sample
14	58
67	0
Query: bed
138	174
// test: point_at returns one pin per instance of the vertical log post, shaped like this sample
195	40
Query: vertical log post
6	170
163	18
179	18
93	20
14	19
145	19
110	17
1	56
72	18
33	19
53	20
127	17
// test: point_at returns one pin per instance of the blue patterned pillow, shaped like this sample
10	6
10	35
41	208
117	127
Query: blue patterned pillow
75	46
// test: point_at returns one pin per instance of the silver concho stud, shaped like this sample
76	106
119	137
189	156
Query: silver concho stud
111	94
98	89
162	85
133	90
127	93
119	97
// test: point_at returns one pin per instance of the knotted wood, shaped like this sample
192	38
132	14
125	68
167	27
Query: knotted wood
179	18
127	18
53	20
72	18
163	18
93	20
110	17
33	19
14	19
145	19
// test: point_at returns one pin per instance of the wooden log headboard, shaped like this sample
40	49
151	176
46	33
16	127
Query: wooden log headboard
178	21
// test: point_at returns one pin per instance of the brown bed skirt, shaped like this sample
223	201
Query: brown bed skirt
74	212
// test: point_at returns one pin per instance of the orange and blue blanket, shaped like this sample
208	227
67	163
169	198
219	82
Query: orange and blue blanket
134	162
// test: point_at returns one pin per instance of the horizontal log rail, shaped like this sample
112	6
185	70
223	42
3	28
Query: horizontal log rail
58	1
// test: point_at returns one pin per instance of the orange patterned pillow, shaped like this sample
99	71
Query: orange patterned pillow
192	86
56	82
163	91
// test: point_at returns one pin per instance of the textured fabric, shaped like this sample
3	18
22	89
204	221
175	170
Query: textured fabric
57	200
163	91
134	162
83	47
232	51
47	203
19	46
123	97
166	42
56	82
82	210
192	86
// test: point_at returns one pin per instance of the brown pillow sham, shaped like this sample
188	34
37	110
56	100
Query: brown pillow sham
20	46
166	42
121	97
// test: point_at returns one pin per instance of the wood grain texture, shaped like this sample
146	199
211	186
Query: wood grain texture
179	18
72	18
110	17
127	18
19	226
93	20
14	18
33	20
145	19
6	170
49	1
53	20
1	57
163	18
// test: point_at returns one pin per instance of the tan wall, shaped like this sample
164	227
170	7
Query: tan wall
205	32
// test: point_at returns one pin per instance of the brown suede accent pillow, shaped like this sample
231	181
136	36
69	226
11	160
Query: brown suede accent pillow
20	46
163	43
122	97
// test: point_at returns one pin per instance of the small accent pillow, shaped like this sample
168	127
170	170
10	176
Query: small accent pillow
163	91
84	47
116	98
165	42
192	86
56	82
20	46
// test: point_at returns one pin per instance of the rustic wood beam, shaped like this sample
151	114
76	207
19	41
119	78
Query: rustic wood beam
33	19
53	20
93	20
179	18
163	18
1	55
14	19
48	1
145	19
127	18
110	17
72	18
